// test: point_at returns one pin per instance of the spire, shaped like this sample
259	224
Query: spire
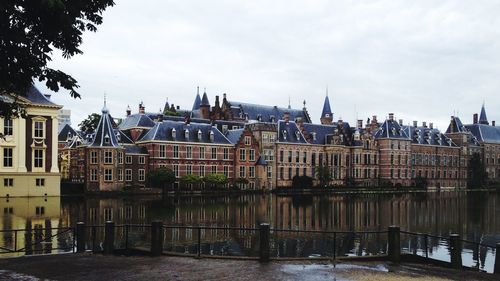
327	111
482	117
204	100
104	108
197	99
289	106
104	134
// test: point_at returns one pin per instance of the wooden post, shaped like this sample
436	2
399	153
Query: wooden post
264	232
80	237
497	260
455	251
394	247
156	238
109	238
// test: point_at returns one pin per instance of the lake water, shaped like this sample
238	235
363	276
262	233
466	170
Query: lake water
473	215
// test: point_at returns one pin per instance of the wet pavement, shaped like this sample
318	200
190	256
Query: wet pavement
99	267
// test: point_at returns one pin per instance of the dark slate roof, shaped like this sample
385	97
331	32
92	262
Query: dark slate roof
265	113
261	161
234	135
456	126
197	102
136	121
343	131
326	108
482	117
66	133
36	97
289	132
162	131
105	135
204	100
391	129
425	135
166	107
135	149
122	137
74	142
485	133
318	133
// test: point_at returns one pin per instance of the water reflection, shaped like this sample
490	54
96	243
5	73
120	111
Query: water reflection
470	214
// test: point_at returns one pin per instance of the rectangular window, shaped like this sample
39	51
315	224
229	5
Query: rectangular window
128	159
8	182
202	153
128	174
40	211
269	172
7	127
297	156
251	172
189	169
242	172
242	154
93	157
142	160
176	151
189	152
305	157
40	182
226	153
214	169
248	140
163	151
38	159
93	174
202	171
120	157
176	170
226	171
120	175
289	156
142	175
252	155
108	157
108	174
282	155
38	132
7	157
214	152
282	173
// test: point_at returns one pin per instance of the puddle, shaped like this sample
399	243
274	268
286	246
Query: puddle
9	275
313	272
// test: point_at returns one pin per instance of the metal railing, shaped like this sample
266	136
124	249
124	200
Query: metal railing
37	241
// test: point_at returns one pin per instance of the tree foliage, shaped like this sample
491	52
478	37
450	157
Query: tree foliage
215	179
301	182
477	172
191	179
161	177
90	123
29	33
323	175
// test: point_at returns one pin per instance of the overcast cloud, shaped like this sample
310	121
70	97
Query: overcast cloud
422	60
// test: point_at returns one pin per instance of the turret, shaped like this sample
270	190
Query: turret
326	114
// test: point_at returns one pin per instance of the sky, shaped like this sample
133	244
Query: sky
421	60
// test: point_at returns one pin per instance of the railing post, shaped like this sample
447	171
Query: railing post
334	245
156	238
199	241
497	260
394	247
455	251
426	245
264	232
80	237
109	238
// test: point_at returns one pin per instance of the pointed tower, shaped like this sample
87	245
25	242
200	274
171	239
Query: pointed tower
104	134
326	114
205	106
482	117
197	100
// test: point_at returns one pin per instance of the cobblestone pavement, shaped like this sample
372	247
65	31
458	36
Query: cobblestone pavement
98	267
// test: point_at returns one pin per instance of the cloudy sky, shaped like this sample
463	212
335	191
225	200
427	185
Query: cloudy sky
422	60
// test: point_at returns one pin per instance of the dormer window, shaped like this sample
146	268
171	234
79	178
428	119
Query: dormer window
199	134
69	136
118	137
273	119
393	131
284	134
106	139
174	133
259	117
314	135
246	116
297	135
186	134
212	137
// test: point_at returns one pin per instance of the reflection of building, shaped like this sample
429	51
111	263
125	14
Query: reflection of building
29	148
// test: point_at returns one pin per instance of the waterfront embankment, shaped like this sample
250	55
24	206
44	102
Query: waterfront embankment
98	267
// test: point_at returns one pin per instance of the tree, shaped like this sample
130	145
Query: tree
323	174
421	182
161	177
301	182
90	123
191	179
29	33
215	179
477	172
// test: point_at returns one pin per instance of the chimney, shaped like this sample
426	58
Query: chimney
474	118
415	124
391	116
431	125
178	107
424	124
400	122
360	124
223	97
286	116
142	109
216	101
128	111
340	122
374	119
493	123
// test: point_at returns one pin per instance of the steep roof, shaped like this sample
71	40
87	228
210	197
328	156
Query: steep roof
105	135
266	113
196	132
289	132
482	117
319	132
391	129
485	133
197	102
425	135
204	100
456	126
326	108
66	133
234	135
136	121
36	97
